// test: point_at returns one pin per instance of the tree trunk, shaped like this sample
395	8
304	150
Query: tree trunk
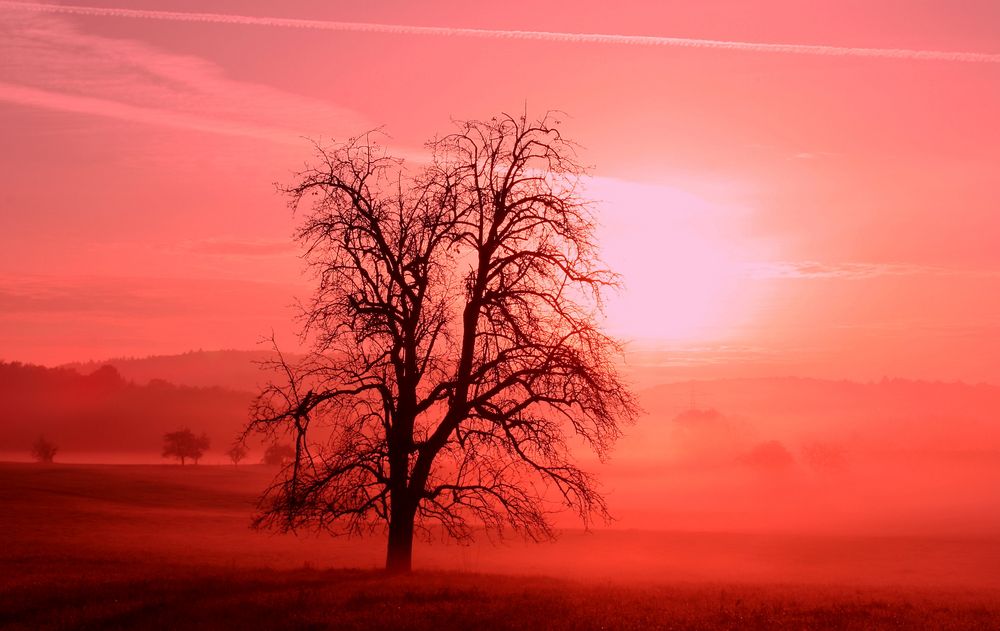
399	555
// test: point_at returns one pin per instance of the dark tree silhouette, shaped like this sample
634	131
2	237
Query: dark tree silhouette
278	454
43	451
456	354
184	444
237	453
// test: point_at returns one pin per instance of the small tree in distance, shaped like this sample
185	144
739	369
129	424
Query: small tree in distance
43	451
184	444
237	453
278	454
457	357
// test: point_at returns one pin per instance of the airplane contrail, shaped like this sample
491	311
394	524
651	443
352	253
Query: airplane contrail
544	36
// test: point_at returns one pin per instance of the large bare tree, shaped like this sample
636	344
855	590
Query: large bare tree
456	360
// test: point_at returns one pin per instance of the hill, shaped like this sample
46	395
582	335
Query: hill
236	370
105	413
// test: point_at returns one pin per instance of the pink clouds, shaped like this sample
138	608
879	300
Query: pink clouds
79	318
241	247
77	104
49	63
855	271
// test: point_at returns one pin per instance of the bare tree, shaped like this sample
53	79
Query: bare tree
456	353
184	444
237	453
43	450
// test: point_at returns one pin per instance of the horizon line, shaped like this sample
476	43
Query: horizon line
496	34
679	379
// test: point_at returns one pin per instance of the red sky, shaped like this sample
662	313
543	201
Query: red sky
772	211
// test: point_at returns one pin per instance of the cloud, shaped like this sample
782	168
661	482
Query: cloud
852	271
22	95
34	296
55	319
140	297
46	62
547	36
240	247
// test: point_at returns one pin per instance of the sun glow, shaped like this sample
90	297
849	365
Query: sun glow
681	273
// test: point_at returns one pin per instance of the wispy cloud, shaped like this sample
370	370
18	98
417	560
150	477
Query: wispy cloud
36	295
45	99
547	36
852	271
47	62
55	319
654	353
240	247
149	297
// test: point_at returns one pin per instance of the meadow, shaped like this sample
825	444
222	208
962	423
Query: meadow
144	546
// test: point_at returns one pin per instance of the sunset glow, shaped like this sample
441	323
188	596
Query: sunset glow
716	282
732	181
740	193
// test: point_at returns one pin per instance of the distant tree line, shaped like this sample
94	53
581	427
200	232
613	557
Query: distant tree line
102	411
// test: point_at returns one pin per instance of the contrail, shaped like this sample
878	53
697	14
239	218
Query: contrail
543	36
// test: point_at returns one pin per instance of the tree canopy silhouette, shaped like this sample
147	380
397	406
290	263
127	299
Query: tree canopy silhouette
183	444
456	354
43	450
237	453
278	454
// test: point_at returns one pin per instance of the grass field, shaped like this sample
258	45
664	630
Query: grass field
143	547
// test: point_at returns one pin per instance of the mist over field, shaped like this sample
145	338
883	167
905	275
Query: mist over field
163	545
789	455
